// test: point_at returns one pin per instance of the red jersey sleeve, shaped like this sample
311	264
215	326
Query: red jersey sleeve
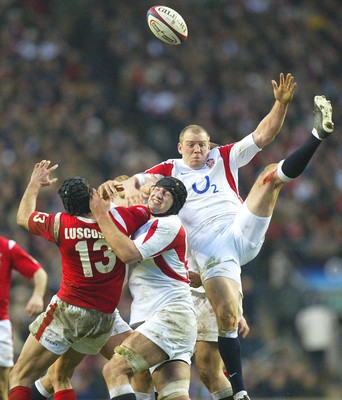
42	224
23	262
134	217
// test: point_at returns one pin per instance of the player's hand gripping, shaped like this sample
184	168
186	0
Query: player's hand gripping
285	90
109	189
195	279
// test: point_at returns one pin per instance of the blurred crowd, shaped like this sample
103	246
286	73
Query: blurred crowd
85	84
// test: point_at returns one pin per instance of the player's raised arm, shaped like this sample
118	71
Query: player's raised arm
270	126
40	177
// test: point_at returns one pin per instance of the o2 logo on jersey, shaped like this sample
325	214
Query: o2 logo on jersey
205	187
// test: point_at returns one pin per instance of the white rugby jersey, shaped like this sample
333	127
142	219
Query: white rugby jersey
213	194
161	278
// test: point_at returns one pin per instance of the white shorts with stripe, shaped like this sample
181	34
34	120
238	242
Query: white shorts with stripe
6	344
63	325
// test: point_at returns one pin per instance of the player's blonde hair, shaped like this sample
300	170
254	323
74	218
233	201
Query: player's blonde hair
194	129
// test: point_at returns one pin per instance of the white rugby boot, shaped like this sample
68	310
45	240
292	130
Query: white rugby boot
323	117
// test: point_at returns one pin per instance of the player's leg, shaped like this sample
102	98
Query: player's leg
263	196
142	385
34	359
60	373
172	380
209	367
58	376
225	298
142	382
4	372
208	360
136	354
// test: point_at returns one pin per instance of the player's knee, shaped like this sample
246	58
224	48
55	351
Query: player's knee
269	176
125	361
227	319
135	361
112	369
174	389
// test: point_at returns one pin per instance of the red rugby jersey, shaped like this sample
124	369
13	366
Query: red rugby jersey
13	257
92	275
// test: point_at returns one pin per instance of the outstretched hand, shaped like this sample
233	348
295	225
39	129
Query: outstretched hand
41	173
285	90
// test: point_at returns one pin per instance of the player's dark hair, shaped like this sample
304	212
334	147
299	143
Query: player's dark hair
178	191
75	194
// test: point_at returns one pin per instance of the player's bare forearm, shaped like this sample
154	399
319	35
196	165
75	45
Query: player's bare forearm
27	205
271	125
122	245
39	178
36	303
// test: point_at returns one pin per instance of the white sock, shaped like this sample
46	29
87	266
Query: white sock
281	174
119	390
41	389
230	334
315	133
222	393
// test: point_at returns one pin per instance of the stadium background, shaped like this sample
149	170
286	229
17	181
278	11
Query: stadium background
85	84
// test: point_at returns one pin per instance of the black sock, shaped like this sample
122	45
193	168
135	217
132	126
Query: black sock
36	395
296	162
230	351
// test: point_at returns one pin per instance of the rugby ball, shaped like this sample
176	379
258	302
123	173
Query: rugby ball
167	25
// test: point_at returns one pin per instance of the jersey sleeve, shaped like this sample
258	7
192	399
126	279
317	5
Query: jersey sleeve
241	152
131	218
160	237
23	262
163	169
43	225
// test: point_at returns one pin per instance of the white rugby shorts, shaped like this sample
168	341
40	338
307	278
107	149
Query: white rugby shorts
63	325
230	247
6	344
120	325
174	330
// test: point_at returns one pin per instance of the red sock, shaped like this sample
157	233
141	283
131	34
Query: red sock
20	393
67	394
